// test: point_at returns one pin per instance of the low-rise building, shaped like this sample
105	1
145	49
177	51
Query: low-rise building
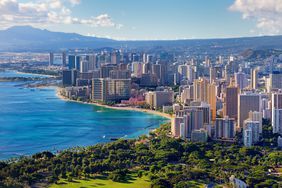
167	109
76	93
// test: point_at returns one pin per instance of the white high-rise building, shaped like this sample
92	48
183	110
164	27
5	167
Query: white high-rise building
254	78
220	60
247	136
186	95
175	126
106	89
256	116
276	102
277	120
137	69
84	66
251	132
182	130
193	119
185	73
241	80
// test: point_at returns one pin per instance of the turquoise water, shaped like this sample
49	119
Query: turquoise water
34	120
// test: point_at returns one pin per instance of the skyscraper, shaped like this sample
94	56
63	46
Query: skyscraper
192	120
186	95
51	58
201	106
276	104
182	130
256	116
77	62
201	89
231	102
71	63
115	57
276	80
92	62
212	74
225	128
247	102
175	126
250	132
74	74
158	99
146	68
67	80
64	59
254	78
156	69
106	69
137	69
107	90
212	92
241	80
84	66
183	72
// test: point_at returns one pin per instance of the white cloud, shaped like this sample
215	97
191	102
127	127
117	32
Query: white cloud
75	2
266	13
8	6
47	12
106	36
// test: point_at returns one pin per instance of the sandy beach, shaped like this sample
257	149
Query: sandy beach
168	116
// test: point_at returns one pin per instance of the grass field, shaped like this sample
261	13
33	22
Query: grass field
279	170
103	182
196	184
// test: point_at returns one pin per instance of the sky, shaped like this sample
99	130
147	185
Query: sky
147	19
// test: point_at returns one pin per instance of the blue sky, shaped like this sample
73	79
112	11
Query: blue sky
164	19
147	19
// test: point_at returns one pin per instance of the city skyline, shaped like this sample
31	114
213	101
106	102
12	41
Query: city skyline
151	94
147	20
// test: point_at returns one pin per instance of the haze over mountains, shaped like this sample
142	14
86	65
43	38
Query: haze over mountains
21	38
27	38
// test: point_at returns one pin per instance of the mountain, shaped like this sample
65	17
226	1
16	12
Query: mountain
251	54
27	38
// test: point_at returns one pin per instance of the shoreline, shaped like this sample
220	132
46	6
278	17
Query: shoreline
35	74
56	89
168	116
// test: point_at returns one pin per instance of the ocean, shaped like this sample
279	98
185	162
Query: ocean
34	120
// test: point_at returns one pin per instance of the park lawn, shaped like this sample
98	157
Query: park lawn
103	182
279	170
196	184
201	184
